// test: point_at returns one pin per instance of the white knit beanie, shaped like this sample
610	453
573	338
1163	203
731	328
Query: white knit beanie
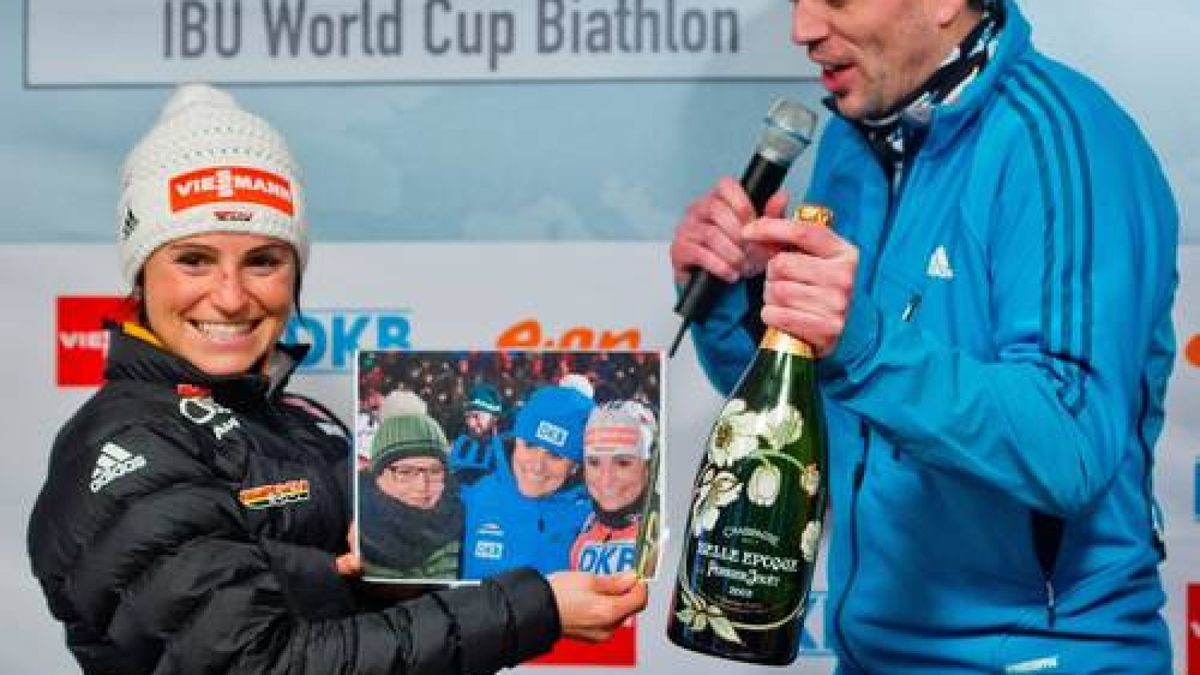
402	402
207	166
621	428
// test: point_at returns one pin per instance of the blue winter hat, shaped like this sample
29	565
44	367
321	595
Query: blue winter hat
553	419
484	397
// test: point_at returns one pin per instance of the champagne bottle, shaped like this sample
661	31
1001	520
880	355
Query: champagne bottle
757	509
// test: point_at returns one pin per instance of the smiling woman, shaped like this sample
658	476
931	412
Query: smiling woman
195	515
219	300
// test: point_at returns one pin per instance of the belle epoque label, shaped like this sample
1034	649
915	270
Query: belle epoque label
744	559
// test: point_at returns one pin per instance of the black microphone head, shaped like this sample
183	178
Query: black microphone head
789	130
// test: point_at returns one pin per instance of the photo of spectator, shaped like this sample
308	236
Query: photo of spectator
476	451
409	511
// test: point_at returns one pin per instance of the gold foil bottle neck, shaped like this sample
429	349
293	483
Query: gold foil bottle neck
779	341
775	339
815	214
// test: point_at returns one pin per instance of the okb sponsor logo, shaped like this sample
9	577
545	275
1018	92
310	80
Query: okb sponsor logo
335	334
812	633
81	339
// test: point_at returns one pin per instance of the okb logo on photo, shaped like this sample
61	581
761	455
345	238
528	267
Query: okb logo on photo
335	334
81	339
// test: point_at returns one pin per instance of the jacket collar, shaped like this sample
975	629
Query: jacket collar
135	354
949	119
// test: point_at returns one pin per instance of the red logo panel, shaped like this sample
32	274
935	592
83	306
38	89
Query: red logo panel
1193	629
619	651
80	339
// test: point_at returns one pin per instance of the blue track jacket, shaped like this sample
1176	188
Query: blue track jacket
505	529
1006	353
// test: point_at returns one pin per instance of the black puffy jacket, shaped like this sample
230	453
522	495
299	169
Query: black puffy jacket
189	524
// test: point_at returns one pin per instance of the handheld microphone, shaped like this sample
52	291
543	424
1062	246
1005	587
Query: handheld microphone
789	130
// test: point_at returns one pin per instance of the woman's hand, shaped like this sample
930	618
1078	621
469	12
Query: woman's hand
591	607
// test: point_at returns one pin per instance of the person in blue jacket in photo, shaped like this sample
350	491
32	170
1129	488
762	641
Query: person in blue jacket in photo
476	451
528	511
992	313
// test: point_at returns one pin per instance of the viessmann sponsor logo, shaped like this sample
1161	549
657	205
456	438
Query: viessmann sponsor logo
81	342
231	184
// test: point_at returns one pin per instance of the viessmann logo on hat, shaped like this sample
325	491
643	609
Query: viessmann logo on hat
231	184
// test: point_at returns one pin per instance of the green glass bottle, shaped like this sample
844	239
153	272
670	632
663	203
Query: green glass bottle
757	510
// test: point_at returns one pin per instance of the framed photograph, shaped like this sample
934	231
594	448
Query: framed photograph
469	463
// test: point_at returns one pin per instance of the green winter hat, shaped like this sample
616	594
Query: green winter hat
408	435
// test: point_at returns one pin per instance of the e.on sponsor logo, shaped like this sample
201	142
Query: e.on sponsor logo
81	342
1192	351
529	334
231	184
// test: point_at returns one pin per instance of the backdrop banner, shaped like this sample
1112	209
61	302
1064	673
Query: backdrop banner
481	174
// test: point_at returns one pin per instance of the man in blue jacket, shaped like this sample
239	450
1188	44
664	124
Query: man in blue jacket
992	313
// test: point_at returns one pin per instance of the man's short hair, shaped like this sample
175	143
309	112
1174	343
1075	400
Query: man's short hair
976	5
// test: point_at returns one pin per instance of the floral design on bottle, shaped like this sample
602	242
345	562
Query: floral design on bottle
754	445
756	437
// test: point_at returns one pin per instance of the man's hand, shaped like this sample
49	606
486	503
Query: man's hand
810	280
591	607
710	236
